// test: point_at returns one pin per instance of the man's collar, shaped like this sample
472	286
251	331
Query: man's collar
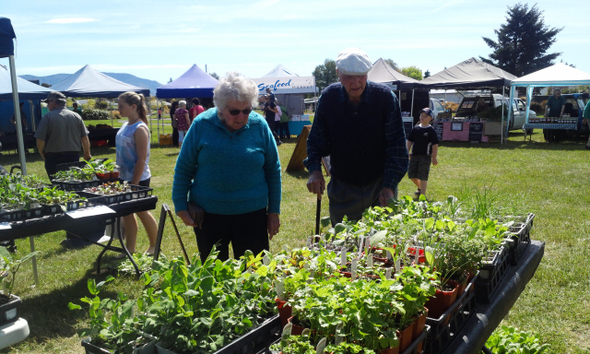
365	96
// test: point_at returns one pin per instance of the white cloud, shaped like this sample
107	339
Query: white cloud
71	20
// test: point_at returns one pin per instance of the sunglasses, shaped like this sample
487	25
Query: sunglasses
235	112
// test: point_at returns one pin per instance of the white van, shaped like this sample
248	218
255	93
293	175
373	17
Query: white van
471	106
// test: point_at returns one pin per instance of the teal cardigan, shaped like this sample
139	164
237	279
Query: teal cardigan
228	173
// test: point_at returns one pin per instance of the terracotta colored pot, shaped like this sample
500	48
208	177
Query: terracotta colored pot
284	311
419	324
114	174
296	329
103	175
442	300
405	337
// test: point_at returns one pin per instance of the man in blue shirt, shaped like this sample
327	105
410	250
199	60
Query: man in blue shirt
358	124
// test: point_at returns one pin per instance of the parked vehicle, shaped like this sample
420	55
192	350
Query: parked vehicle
436	107
478	106
574	106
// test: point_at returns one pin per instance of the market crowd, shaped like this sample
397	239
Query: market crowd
227	178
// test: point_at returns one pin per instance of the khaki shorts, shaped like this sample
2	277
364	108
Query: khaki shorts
419	167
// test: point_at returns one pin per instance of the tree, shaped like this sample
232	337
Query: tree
523	42
214	75
427	74
325	74
392	64
413	72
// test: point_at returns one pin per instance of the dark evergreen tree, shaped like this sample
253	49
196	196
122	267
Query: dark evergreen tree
523	42
427	74
325	74
393	65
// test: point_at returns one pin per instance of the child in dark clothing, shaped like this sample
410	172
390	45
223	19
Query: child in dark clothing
422	144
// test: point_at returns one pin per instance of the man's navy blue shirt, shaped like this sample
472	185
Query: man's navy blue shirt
364	142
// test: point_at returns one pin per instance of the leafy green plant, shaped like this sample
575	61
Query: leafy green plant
9	268
509	340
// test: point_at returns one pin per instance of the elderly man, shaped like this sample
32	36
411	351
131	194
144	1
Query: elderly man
358	124
61	134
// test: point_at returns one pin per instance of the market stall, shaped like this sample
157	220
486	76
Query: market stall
72	205
559	75
289	89
471	74
193	83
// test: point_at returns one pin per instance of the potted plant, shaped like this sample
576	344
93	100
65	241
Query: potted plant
9	267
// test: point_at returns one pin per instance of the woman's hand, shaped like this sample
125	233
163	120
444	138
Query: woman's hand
193	216
272	225
186	218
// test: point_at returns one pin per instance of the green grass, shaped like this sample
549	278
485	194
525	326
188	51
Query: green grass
549	180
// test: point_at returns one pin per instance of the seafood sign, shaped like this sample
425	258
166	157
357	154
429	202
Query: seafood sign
285	85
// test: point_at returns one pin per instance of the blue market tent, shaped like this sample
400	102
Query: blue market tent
88	82
193	83
26	89
7	36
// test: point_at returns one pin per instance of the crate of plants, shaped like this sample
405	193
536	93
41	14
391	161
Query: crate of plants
18	198
520	238
116	192
56	201
95	172
443	328
491	273
201	307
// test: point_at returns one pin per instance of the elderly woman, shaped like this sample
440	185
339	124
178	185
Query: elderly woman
227	179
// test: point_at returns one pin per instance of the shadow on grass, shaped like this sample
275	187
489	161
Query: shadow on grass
48	314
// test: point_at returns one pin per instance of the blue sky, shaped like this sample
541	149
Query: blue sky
159	40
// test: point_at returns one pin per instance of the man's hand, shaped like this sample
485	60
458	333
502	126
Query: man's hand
316	183
385	195
273	224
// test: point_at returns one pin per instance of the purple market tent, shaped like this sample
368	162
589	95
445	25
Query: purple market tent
193	83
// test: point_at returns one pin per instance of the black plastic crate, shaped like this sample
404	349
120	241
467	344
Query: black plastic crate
256	340
442	328
137	192
491	275
521	239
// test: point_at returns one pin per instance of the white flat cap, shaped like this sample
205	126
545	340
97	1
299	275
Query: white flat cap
353	61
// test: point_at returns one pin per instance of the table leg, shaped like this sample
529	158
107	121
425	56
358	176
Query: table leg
34	260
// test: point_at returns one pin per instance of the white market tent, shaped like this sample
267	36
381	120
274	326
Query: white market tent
288	86
556	75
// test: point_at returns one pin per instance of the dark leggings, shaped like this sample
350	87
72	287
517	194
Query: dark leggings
244	231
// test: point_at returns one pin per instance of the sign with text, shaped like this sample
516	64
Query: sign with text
286	85
475	132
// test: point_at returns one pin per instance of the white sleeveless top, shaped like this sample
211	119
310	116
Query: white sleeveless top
127	152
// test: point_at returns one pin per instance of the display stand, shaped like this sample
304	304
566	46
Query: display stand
477	330
45	224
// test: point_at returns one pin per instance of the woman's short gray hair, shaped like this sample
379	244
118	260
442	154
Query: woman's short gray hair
235	87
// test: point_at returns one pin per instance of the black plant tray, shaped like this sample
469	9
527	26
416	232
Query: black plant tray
137	192
257	340
443	328
91	348
521	239
52	209
417	345
9	311
490	276
78	186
